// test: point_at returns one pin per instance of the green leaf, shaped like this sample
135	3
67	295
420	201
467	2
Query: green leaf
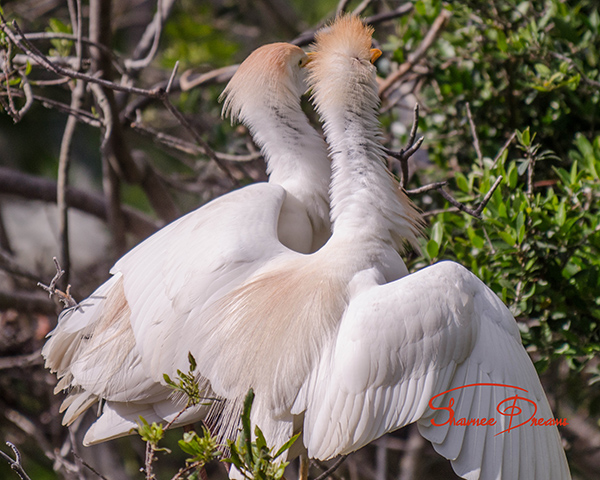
587	152
508	238
461	182
287	445
432	248
513	175
542	69
246	426
520	227
192	362
561	214
420	8
524	137
437	232
501	41
523	166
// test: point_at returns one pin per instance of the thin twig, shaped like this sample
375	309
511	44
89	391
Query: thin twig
76	22
341	7
16	463
30	49
184	471
156	29
332	469
107	119
463	208
571	62
308	36
81	115
186	124
504	147
28	96
416	55
63	178
64	297
187	147
411	147
88	466
427	188
149	459
475	137
84	40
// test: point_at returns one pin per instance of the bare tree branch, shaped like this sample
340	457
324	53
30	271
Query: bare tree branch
411	147
26	302
16	463
21	361
328	472
64	161
187	147
80	115
22	42
31	187
475	137
415	56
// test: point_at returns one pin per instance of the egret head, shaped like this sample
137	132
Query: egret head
341	60
273	76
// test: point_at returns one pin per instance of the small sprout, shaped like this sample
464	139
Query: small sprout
152	434
202	449
254	459
186	383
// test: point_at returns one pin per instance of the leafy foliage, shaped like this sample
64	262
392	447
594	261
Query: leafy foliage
254	459
529	68
186	383
152	434
202	449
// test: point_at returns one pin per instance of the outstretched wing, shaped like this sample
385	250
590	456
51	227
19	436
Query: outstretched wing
118	343
401	346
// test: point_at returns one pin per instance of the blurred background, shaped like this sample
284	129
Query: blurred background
505	88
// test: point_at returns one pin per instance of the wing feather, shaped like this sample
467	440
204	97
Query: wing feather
402	343
118	343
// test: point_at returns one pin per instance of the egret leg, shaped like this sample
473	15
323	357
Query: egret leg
303	471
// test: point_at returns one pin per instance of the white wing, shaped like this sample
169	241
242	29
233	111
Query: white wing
134	328
402	343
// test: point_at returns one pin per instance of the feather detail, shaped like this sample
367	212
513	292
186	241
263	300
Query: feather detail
364	195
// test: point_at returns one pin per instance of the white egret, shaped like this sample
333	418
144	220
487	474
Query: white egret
344	345
436	338
105	349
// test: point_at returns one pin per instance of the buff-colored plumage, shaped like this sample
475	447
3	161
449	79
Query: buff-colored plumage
399	343
342	344
117	344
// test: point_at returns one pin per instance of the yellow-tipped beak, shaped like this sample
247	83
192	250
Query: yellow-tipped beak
375	54
311	57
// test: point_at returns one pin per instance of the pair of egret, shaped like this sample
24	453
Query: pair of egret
333	334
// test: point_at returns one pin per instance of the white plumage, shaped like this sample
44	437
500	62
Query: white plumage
120	341
342	343
400	343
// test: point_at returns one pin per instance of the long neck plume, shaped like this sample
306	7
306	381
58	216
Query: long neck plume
365	199
296	155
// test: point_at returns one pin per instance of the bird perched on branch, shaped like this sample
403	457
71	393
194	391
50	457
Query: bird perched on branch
115	346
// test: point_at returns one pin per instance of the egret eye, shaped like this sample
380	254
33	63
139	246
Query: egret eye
303	61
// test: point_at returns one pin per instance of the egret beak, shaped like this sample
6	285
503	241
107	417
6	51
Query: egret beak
311	57
375	54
